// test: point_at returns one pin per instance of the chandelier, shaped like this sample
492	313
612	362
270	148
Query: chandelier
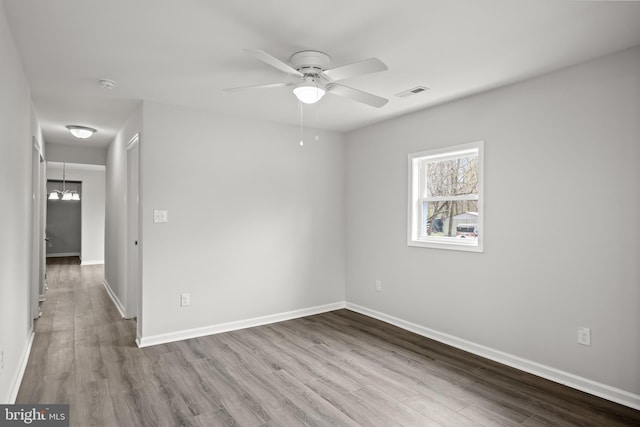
64	194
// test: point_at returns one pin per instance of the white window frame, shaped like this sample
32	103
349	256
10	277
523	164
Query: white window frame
416	200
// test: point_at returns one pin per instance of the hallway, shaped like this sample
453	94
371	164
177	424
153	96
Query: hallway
81	342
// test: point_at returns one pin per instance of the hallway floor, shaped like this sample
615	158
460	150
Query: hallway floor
80	341
337	368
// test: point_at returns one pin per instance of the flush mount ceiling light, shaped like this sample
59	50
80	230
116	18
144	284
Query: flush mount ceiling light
81	132
309	91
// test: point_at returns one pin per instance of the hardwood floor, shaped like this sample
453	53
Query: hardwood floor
338	368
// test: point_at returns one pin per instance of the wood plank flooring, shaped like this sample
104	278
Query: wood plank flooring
338	368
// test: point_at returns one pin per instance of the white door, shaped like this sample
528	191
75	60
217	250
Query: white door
133	240
42	210
37	239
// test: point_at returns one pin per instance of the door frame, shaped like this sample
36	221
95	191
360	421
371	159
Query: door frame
38	208
133	305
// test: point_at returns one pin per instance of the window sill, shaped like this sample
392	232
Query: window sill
458	245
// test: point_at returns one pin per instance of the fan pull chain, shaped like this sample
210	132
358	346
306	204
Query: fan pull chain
317	137
301	116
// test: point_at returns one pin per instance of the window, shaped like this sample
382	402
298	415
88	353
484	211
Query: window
445	198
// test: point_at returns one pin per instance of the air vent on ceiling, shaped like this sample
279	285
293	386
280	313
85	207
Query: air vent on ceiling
413	91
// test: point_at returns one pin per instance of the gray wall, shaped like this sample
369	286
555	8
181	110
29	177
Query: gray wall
256	222
562	149
64	221
16	131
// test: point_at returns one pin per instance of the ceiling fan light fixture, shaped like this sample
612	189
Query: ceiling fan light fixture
309	93
54	196
81	132
312	67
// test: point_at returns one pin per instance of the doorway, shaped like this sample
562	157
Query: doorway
64	220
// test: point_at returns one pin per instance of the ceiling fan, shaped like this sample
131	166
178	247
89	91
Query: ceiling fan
316	79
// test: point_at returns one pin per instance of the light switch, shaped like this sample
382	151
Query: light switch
185	300
160	216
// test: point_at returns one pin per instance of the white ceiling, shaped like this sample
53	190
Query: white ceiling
186	52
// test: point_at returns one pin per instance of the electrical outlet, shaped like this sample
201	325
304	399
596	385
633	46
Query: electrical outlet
185	300
584	336
378	286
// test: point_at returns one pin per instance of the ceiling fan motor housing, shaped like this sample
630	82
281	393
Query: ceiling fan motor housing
310	61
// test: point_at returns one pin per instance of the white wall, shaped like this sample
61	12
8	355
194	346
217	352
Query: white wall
16	132
562	208
92	205
256	222
115	215
76	154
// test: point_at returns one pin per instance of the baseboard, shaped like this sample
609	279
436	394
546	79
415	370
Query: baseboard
17	379
233	326
63	254
92	262
570	380
114	298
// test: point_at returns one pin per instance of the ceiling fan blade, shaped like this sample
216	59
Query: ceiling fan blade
267	86
357	95
367	66
274	62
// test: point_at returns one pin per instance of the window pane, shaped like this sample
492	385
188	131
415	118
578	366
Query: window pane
456	219
446	198
451	177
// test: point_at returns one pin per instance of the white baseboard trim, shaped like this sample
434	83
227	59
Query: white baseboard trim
114	298
574	381
139	341
63	254
17	379
233	326
92	262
